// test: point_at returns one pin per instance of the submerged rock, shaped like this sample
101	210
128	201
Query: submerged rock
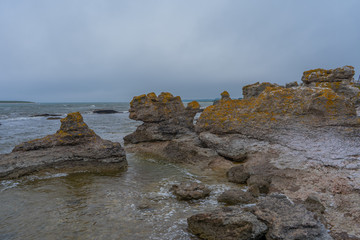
190	190
73	146
227	224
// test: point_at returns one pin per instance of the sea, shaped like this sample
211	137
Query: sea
134	204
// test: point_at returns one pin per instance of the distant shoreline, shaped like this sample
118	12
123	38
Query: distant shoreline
15	102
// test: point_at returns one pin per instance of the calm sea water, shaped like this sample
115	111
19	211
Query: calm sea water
135	204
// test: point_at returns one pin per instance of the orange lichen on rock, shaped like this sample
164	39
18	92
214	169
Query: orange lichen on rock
73	130
193	105
274	104
331	75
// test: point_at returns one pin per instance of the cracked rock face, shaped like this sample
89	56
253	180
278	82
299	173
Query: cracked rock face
73	147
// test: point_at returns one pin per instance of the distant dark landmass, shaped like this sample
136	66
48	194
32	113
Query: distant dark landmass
15	102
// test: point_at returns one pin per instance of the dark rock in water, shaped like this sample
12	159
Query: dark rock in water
190	190
227	224
236	196
104	111
46	115
75	147
237	174
289	221
53	118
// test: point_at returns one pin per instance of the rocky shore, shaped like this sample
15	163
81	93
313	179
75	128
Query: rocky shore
292	150
295	147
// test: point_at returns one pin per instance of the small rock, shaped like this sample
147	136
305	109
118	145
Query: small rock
237	174
190	190
46	115
236	196
227	224
258	185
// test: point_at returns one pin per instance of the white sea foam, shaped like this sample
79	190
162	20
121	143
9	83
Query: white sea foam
8	184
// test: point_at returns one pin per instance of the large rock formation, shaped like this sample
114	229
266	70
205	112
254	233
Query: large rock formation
168	130
165	117
74	146
340	80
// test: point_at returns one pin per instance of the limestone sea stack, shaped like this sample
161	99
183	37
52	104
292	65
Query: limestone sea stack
73	147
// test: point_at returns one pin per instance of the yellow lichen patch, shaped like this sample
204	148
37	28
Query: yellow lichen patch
193	105
74	117
225	94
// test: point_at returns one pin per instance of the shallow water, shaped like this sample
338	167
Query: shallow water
135	204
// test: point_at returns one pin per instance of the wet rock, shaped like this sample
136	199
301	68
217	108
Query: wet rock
190	191
74	146
258	185
254	90
105	111
313	204
287	220
237	174
345	73
227	224
236	196
344	236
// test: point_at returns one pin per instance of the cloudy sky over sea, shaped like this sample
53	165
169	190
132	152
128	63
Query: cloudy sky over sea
112	50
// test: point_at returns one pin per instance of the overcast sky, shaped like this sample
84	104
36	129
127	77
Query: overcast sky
112	50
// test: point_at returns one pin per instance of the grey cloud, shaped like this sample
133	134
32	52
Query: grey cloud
112	50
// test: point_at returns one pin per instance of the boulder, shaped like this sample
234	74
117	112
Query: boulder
74	147
254	90
227	224
229	147
236	196
164	116
345	73
289	221
190	191
238	174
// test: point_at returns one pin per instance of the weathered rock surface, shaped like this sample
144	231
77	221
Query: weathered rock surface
190	190
345	73
254	90
227	224
289	221
74	146
236	196
165	117
230	148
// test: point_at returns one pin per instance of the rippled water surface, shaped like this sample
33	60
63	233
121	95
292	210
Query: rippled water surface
135	204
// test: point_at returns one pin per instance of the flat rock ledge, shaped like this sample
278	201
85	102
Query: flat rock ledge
73	147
